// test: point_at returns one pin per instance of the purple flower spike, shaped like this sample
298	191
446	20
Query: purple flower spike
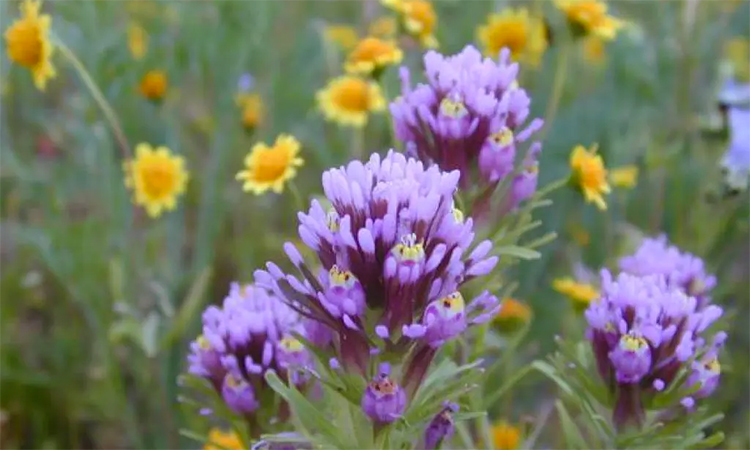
469	115
238	394
383	401
441	427
390	246
644	329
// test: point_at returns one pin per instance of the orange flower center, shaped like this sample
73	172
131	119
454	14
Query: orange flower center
24	42
370	49
508	34
271	163
592	173
352	94
587	12
422	12
159	179
154	84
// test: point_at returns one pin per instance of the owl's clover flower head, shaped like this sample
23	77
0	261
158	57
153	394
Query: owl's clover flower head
468	116
441	427
643	330
384	400
656	256
248	335
390	248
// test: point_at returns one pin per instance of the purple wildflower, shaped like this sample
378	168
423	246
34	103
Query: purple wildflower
643	330
249	334
384	400
468	116
441	427
391	245
736	161
684	270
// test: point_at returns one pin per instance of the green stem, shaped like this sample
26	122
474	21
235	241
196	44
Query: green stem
109	113
561	74
297	196
358	150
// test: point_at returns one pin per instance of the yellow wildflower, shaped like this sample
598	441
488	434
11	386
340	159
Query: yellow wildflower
589	175
28	44
157	177
506	436
594	50
418	17
270	167
343	36
523	34
737	52
384	27
513	315
154	85
221	440
137	41
371	55
253	110
624	177
348	100
580	293
590	17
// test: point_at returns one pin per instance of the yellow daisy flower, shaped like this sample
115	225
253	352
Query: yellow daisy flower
516	29
270	167
137	41
624	177
253	110
384	27
580	293
506	436
590	17
594	50
589	175
154	85
418	17
28	44
221	440
344	36
348	100
157	177
371	55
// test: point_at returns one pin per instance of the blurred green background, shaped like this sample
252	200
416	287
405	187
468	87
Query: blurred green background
99	302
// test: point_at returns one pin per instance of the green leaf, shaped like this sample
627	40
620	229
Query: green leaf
493	397
190	306
711	442
150	334
573	437
551	373
518	252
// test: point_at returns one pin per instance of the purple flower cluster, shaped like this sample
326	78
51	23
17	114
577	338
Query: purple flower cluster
643	330
684	270
393	253
249	334
469	117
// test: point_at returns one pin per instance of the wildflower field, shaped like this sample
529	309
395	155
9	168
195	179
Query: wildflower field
375	224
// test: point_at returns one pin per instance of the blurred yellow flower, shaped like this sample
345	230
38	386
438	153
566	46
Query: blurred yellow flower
157	177
513	315
506	436
371	55
594	50
418	17
154	85
590	17
348	100
270	167
589	175
137	41
253	110
343	36
523	34
580	293
384	27
624	177
223	440
581	236
27	43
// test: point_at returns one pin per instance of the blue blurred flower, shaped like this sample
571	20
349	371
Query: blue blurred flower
736	160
